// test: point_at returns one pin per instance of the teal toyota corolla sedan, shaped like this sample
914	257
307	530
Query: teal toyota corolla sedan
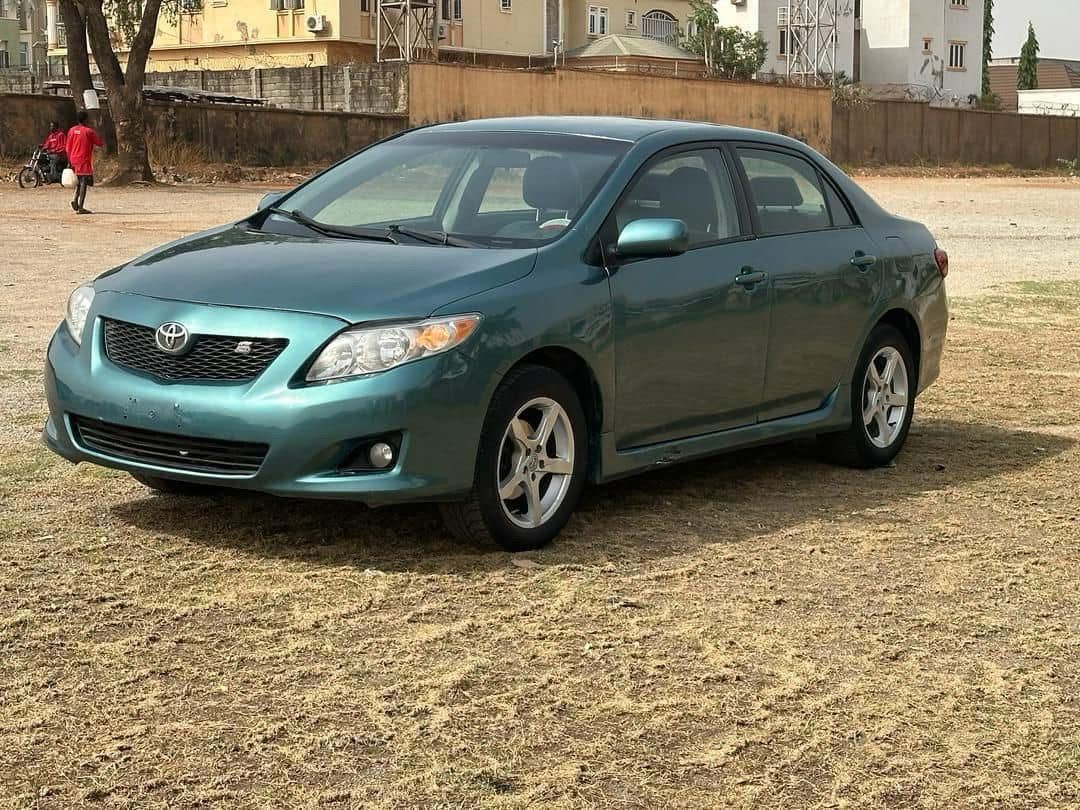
491	314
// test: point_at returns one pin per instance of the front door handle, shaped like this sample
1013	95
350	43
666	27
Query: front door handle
748	277
864	261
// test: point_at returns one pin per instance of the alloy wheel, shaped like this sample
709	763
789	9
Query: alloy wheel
885	397
536	463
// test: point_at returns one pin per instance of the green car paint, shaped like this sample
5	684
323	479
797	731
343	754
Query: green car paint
676	354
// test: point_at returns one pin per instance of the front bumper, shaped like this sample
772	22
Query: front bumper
436	405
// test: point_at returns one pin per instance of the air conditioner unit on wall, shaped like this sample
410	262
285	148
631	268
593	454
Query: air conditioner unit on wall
316	23
442	31
738	2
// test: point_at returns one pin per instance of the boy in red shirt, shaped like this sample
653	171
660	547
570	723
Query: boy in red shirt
81	141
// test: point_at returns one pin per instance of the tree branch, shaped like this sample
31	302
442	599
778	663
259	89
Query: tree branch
140	46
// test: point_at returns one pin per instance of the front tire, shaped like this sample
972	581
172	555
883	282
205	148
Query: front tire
530	466
167	486
30	178
882	403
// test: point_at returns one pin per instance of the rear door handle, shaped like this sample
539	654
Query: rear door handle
864	261
749	278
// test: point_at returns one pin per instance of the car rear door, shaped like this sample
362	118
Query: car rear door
691	330
824	272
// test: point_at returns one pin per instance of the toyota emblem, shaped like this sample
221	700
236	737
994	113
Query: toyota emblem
172	337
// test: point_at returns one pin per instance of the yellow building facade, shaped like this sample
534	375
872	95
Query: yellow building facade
240	34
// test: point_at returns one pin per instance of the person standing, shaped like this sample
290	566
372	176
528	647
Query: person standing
55	147
81	141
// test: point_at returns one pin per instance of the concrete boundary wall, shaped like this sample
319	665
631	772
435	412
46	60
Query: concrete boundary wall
902	132
217	133
455	92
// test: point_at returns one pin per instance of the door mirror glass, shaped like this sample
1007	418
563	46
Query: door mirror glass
653	238
269	200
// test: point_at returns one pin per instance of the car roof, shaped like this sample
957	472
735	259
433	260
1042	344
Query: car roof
596	126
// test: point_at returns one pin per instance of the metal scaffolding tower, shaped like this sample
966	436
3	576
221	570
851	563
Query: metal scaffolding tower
407	31
811	41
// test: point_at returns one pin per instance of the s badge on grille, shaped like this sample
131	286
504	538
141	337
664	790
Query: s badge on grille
172	337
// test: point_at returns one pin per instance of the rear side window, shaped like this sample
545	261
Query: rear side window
787	192
841	216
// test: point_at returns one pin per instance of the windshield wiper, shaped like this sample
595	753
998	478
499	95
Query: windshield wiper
334	230
431	237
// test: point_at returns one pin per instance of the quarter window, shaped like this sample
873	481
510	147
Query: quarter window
692	186
787	193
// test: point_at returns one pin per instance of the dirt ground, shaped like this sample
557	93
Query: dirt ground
760	630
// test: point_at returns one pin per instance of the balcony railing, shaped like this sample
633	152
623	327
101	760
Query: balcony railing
660	27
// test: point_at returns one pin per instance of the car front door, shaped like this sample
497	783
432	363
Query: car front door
825	278
691	330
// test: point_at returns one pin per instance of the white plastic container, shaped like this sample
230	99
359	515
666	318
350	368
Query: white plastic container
68	178
90	99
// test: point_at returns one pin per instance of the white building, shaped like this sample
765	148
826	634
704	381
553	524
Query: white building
770	17
1064	102
932	48
923	48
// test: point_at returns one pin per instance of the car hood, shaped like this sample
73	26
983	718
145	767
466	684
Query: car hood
349	279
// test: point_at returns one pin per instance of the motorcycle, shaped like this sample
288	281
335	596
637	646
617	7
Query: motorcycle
37	171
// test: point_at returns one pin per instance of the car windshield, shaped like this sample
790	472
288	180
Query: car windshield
491	189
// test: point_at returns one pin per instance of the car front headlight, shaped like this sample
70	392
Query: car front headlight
78	307
366	350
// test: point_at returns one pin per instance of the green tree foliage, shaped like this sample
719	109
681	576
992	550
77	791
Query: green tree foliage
988	45
729	52
1027	74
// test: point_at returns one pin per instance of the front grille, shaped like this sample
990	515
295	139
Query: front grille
211	357
169	449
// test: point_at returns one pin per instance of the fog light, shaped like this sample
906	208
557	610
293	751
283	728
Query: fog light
381	455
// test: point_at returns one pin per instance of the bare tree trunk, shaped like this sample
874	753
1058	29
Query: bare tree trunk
78	60
124	90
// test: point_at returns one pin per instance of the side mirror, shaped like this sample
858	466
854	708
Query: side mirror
652	238
270	199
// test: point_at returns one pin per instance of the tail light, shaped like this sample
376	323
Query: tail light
942	259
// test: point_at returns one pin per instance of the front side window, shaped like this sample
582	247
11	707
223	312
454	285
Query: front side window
787	192
695	187
498	189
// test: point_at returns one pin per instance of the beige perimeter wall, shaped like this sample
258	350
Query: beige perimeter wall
452	93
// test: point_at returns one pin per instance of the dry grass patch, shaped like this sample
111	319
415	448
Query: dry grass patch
756	630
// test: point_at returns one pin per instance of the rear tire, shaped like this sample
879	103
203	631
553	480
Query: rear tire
882	403
530	466
167	486
30	178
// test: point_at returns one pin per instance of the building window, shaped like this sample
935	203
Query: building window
444	10
457	9
506	5
3	54
782	49
958	3
956	56
598	17
365	6
660	25
782	17
24	55
928	45
631	19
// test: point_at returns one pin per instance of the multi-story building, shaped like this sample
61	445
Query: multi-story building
22	43
925	48
233	34
933	47
773	19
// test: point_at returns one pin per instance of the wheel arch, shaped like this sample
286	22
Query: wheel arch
905	323
577	371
